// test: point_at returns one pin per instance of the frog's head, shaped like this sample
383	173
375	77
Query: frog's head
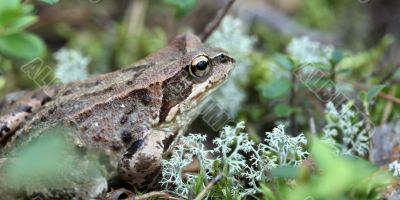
198	73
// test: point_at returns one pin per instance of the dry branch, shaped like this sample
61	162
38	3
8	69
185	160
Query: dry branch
215	23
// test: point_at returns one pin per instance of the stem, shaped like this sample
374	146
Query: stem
213	25
333	79
292	99
161	195
389	97
388	107
390	74
209	186
368	127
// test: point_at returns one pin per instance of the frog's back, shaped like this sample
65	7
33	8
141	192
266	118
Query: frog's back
103	111
110	110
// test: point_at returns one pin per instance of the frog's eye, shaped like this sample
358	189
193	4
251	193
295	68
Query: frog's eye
199	66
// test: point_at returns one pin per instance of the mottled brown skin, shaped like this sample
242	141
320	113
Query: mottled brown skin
132	114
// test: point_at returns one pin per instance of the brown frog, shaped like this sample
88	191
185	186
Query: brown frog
132	115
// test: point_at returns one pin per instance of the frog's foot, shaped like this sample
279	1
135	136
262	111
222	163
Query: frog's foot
140	165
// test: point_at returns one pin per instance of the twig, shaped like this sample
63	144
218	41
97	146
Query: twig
390	74
215	23
382	95
313	128
263	12
159	194
389	98
212	182
387	110
134	18
209	186
333	79
292	99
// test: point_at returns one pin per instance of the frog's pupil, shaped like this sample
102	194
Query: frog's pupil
202	65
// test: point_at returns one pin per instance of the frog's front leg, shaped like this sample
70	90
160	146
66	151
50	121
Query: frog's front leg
141	163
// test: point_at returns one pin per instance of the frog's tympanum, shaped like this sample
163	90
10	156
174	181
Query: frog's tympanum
132	115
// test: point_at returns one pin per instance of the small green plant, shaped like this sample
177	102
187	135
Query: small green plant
15	42
332	177
394	167
182	7
344	125
241	177
50	162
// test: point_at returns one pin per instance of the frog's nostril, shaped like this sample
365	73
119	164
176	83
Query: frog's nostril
223	58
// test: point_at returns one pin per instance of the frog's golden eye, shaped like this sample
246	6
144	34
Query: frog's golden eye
199	66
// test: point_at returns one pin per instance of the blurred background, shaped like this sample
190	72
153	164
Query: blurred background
350	47
355	43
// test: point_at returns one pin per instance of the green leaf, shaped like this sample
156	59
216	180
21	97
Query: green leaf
317	83
283	110
198	183
9	4
276	88
2	82
283	61
374	91
396	75
320	66
287	172
363	96
22	46
50	1
44	157
337	56
268	193
182	6
20	24
13	10
8	16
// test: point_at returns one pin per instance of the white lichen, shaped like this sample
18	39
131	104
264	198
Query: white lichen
242	175
394	167
190	146
344	125
232	36
306	51
71	65
230	145
288	149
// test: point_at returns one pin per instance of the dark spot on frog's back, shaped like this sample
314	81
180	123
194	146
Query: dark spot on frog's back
123	119
143	94
42	97
168	141
25	108
126	136
67	92
130	82
133	148
3	128
146	99
155	175
137	69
